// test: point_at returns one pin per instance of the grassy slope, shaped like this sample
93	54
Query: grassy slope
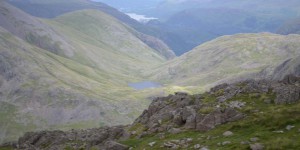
227	58
90	84
94	33
54	8
33	30
262	119
42	72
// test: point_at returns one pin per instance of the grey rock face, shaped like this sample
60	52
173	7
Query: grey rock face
181	110
98	137
287	94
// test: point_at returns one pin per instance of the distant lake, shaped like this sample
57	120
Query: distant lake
144	85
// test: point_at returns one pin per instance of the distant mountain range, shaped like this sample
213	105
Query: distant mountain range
184	24
291	26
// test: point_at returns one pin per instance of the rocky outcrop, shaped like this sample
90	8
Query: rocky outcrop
204	112
99	138
182	110
289	66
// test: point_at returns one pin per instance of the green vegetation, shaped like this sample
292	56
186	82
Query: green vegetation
103	57
263	121
88	59
138	128
6	148
228	58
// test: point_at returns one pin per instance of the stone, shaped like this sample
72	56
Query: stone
236	104
175	141
197	146
175	131
245	142
227	133
133	132
289	127
161	135
221	99
204	148
255	139
287	94
256	146
112	145
226	142
171	145
278	131
151	144
159	121
87	138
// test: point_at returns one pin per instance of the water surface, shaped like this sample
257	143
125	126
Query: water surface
144	85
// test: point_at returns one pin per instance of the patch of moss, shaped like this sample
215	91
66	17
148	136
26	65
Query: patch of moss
209	98
138	128
6	148
206	110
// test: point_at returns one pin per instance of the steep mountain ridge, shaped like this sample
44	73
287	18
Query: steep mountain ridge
45	89
55	8
33	31
93	31
38	86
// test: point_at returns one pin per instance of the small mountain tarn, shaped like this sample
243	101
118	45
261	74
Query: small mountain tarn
144	85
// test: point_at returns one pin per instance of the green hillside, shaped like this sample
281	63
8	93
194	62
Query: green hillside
94	34
73	71
229	58
33	31
55	8
43	89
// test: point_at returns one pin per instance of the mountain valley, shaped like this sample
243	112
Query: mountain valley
79	74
